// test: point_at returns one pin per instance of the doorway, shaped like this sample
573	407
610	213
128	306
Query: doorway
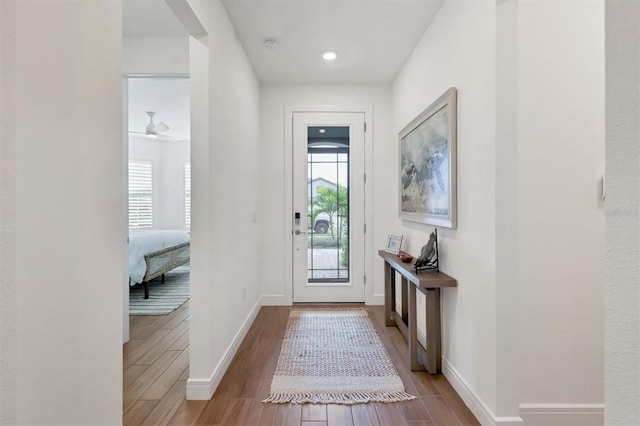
328	207
158	188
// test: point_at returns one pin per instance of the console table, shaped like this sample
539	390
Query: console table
429	283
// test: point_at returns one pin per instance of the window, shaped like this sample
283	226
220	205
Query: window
140	195
328	200
187	195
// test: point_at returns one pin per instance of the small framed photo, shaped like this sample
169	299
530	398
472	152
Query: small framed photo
394	242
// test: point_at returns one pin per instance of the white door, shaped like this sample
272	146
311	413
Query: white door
328	207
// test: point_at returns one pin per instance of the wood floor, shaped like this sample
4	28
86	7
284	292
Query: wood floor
156	370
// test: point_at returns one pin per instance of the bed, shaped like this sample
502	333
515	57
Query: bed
152	253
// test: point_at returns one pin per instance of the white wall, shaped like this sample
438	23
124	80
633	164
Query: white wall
8	217
168	159
507	217
67	257
274	249
508	229
458	50
561	213
622	314
225	285
155	55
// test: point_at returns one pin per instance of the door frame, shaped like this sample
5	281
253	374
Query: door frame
288	193
321	291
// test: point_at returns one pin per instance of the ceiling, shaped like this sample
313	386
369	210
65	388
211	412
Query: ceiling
150	18
373	38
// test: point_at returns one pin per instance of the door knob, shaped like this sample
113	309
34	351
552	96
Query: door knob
298	232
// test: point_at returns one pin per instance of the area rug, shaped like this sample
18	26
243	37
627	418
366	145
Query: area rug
334	357
164	297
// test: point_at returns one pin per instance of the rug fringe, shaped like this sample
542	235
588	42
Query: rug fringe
338	398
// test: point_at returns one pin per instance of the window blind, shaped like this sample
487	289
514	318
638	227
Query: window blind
140	195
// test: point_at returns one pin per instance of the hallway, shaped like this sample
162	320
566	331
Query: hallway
155	373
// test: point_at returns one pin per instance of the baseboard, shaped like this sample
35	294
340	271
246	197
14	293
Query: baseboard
546	414
200	389
479	409
281	300
562	414
376	299
203	388
276	300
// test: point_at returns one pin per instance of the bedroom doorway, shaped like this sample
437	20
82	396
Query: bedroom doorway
158	170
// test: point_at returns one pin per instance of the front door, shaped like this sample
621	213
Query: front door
328	207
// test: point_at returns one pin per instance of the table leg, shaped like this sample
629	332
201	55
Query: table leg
412	337
405	301
389	295
434	350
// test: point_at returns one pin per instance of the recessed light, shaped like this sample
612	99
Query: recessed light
322	130
270	44
329	55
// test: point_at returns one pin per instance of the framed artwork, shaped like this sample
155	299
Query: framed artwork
428	165
394	242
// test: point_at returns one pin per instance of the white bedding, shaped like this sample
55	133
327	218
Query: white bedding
142	242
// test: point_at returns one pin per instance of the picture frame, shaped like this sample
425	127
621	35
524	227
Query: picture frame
394	242
427	178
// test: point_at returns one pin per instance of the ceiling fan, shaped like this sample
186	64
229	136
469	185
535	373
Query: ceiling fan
152	128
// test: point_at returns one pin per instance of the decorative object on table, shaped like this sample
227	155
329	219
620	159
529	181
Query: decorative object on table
428	164
394	242
405	257
428	259
334	356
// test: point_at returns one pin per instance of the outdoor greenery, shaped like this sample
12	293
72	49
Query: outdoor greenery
344	256
335	203
322	241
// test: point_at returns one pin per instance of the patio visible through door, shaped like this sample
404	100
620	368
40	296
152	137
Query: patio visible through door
328	207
